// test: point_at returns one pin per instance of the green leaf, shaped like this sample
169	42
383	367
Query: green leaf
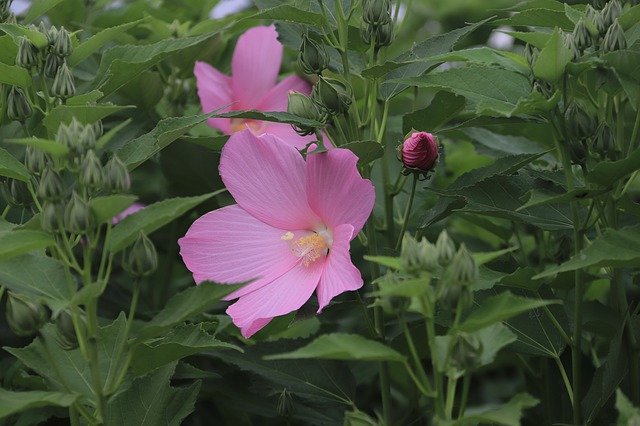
539	18
85	98
367	151
46	145
606	173
534	38
493	91
540	197
184	340
152	218
85	114
39	277
19	242
388	261
39	8
16	31
553	59
627	412
184	305
150	401
502	166
289	13
14	76
486	257
107	207
444	107
615	248
342	346
500	308
139	150
12	168
498	145
15	402
410	287
508	414
273	116
96	41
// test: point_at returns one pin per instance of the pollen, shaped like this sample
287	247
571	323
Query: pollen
288	236
310	248
240	124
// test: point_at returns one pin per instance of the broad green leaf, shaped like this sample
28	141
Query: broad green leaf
46	145
14	76
493	91
84	98
502	166
107	207
107	136
497	145
15	402
151	400
616	248
85	114
367	151
444	107
539	18
629	18
184	340
19	242
151	218
534	38
39	8
508	414
290	13
500	308
486	257
411	287
40	277
12	168
553	59
274	116
540	197
96	41
605	173
139	150
388	261
184	305
342	346
625	64
627	412
16	31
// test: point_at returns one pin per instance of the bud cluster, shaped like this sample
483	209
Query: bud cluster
377	25
5	12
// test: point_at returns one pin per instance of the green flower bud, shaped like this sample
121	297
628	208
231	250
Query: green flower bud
591	14
313	56
466	352
116	175
88	137
51	65
51	187
463	269
98	130
611	12
91	175
580	125
445	248
78	217
376	12
304	107
604	143
141	259
570	43
51	216
614	39
581	36
25	317
18	105
285	403
66	332
601	23
52	35
578	151
418	256
381	35
62	45
333	95
19	193
35	160
531	54
27	56
63	86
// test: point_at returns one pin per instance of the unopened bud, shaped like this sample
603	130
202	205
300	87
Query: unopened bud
78	217
604	142
88	137
381	35
51	187
570	44
466	352
376	12
614	39
591	14
98	130
419	152
531	54
35	160
582	36
580	125
463	269
91	175
446	249
304	107
51	216
62	45
24	316
52	34
417	256
27	56
51	65
333	95
116	175
313	56
19	193
285	404
141	259
63	86
611	12
577	151
18	105
66	332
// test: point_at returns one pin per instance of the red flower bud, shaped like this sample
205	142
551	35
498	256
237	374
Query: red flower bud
420	151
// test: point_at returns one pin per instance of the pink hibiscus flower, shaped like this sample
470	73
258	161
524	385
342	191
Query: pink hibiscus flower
290	231
255	67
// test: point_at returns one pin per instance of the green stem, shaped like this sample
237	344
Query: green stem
407	212
466	384
414	354
634	133
431	340
565	378
452	383
557	325
6	211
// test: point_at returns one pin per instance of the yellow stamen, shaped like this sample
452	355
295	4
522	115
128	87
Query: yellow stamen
240	124
310	248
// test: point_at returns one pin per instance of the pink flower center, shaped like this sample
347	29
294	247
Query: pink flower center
311	247
240	124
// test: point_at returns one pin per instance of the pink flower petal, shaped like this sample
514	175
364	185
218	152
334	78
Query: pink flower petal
337	192
214	91
255	65
229	245
133	208
277	98
339	274
285	133
285	294
267	179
